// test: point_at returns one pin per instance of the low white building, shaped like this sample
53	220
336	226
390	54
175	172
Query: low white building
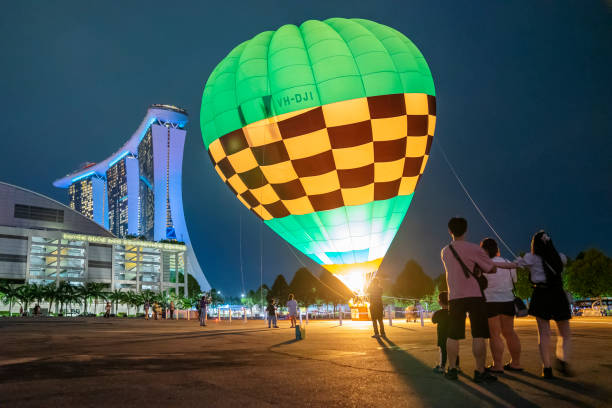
44	241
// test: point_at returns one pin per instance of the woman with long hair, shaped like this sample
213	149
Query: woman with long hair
500	312
549	301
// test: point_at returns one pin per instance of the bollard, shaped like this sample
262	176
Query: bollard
390	315
230	315
340	313
298	333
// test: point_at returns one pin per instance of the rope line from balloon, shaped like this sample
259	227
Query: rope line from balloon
241	262
469	196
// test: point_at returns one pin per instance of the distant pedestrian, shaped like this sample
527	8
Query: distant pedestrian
465	263
171	309
500	311
147	306
21	311
418	311
292	307
549	301
37	309
108	310
441	318
271	309
155	310
204	302
376	308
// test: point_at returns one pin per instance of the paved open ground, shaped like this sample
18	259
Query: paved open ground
100	362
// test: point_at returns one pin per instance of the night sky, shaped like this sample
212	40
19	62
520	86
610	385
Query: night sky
523	89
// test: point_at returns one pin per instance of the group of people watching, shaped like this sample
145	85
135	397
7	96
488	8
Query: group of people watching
490	304
156	309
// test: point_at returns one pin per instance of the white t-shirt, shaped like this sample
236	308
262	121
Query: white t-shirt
292	306
534	263
500	284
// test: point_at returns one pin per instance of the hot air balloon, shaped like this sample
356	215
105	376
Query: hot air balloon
323	131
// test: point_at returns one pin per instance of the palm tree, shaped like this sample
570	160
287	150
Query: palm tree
85	294
66	294
133	299
72	295
48	293
97	292
9	293
115	297
25	295
139	300
126	299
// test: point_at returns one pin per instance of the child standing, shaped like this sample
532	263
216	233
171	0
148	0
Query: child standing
441	318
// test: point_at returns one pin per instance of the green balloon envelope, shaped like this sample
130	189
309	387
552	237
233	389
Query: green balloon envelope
323	131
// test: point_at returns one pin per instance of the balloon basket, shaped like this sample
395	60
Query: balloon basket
360	313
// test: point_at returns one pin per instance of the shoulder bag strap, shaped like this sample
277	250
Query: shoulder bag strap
466	270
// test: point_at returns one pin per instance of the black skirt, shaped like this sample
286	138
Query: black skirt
550	303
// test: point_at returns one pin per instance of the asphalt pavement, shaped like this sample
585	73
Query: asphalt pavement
64	362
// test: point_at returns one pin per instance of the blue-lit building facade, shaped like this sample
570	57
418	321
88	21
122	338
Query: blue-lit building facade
137	191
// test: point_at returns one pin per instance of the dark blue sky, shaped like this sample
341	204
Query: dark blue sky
524	95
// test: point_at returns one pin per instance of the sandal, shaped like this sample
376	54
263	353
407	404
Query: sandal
510	368
490	370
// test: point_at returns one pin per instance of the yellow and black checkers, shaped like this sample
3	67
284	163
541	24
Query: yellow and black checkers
345	153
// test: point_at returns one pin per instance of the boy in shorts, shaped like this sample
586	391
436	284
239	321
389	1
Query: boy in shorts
441	318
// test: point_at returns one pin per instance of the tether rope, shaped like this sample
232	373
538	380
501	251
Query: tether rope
241	262
450	166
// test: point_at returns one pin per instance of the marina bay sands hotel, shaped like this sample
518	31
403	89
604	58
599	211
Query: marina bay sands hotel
136	191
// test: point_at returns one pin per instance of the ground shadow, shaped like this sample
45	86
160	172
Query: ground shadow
113	364
404	328
430	387
284	343
533	381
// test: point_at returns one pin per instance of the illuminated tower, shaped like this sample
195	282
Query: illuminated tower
138	189
88	196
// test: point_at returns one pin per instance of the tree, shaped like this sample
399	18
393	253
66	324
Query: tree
412	282
280	289
193	287
67	294
261	294
98	292
440	283
115	297
215	297
305	287
49	294
25	295
333	290
250	300
523	286
9	293
38	293
85	293
590	275
126	298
